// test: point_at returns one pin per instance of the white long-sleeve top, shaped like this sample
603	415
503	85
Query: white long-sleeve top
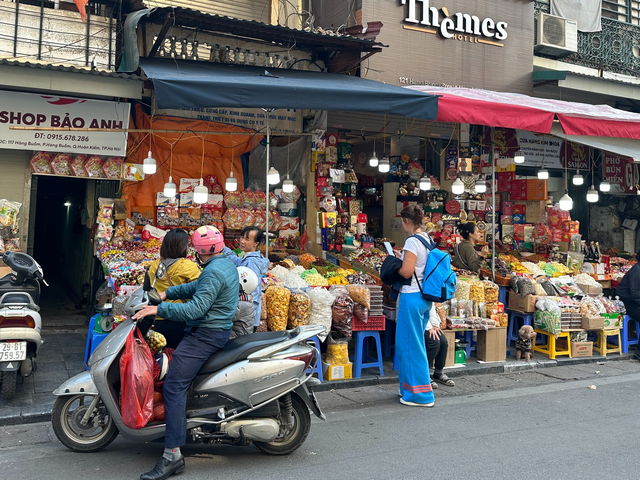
434	318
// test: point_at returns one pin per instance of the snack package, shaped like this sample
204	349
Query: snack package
40	162
463	290
321	304
275	221
341	313
360	312
93	166
360	294
291	197
234	218
491	291
61	164
273	201
299	308
77	165
248	199
9	213
112	167
277	307
260	200
259	218
337	351
476	291
233	199
105	212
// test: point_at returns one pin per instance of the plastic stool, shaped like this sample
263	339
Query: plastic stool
603	347
318	367
389	338
515	318
93	339
502	294
362	358
550	348
624	333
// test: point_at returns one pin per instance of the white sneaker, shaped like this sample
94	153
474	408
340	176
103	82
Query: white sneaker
414	404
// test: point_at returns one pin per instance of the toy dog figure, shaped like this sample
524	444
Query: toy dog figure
524	343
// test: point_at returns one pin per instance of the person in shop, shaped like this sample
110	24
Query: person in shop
465	256
208	318
172	268
437	348
250	239
629	292
412	317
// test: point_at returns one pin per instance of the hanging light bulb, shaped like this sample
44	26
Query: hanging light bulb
273	177
592	194
373	161
518	157
566	203
384	166
200	193
231	185
149	165
578	179
169	188
287	185
457	187
543	174
605	186
425	183
481	185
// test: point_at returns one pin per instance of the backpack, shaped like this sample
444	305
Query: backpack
439	282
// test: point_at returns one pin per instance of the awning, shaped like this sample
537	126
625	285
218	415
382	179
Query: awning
512	110
189	84
627	147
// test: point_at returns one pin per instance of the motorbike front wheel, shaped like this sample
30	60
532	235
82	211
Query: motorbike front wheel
290	439
8	385
66	419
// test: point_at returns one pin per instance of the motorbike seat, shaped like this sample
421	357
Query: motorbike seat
240	348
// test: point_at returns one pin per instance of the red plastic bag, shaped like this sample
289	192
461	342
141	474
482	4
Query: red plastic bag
136	377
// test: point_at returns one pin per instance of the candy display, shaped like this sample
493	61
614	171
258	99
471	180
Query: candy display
299	309
40	162
61	164
277	299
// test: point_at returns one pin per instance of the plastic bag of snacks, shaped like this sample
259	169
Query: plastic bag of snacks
277	307
476	291
620	306
548	320
299	309
337	351
360	312
491	291
321	303
112	167
233	199
463	290
40	162
60	164
273	201
360	294
341	313
9	212
105	212
93	166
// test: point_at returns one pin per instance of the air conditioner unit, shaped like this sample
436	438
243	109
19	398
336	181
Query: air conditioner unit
555	36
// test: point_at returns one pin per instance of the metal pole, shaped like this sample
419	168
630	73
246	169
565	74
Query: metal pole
493	208
266	249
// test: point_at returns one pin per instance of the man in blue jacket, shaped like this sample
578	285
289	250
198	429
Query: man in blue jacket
250	239
208	317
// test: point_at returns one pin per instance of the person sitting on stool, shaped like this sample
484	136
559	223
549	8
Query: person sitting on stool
437	347
629	292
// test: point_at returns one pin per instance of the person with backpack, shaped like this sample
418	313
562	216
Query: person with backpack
466	257
413	315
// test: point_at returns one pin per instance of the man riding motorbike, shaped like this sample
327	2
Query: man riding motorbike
208	317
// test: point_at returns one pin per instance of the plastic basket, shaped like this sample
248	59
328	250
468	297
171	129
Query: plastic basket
373	323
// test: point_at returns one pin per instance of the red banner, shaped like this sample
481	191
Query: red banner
621	173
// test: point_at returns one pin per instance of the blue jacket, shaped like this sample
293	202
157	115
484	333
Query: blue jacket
259	265
214	297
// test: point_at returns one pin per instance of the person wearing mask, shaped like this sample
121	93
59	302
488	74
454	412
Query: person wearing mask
466	257
437	348
629	292
172	268
208	317
412	316
250	239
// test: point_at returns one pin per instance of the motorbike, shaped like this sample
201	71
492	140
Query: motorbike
256	390
20	321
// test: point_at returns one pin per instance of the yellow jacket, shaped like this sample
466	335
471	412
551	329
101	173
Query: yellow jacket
183	271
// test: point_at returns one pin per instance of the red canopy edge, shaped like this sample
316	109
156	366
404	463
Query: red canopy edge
599	127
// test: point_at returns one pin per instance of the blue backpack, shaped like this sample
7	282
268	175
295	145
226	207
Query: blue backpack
439	283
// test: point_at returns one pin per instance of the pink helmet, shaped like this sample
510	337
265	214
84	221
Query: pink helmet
207	240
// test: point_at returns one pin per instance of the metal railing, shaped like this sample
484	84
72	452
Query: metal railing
614	49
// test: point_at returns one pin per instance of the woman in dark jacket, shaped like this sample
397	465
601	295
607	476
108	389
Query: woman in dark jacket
465	255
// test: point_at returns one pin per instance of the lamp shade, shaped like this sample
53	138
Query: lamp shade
273	177
384	165
481	185
578	179
373	161
518	157
565	203
169	188
149	165
200	193
543	174
457	187
605	186
592	194
231	185
287	185
425	183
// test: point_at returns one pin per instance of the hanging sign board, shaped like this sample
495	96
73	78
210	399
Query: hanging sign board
620	172
33	110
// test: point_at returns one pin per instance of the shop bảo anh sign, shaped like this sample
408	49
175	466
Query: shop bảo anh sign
420	15
45	111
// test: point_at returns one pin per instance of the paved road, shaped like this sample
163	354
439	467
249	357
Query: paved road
487	427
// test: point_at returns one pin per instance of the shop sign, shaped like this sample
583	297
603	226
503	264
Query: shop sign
33	110
282	121
620	172
421	16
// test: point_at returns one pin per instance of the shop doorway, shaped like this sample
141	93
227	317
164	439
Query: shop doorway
61	244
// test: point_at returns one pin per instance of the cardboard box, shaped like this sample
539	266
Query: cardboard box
592	323
186	199
188	184
450	335
519	303
288	209
612	320
492	345
537	189
337	372
581	349
161	200
518	190
535	211
590	289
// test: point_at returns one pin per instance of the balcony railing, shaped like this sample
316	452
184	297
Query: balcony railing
614	49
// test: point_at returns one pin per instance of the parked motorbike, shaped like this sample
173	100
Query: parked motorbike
255	390
20	321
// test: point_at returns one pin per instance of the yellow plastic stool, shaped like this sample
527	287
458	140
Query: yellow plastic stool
550	347
603	347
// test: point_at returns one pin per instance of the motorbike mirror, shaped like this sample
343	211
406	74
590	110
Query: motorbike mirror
147	283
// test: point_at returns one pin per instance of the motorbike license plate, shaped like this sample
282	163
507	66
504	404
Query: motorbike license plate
13	351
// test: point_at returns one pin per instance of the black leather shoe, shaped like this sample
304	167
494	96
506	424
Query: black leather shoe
164	469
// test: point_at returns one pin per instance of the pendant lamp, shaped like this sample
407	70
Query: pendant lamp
169	188
373	161
592	194
578	179
273	176
425	183
457	187
384	166
481	185
543	174
287	185
231	185
605	186
518	157
566	203
200	193
149	165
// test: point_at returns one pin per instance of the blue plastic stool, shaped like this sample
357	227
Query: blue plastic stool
362	358
502	295
318	368
93	339
389	339
624	334
515	319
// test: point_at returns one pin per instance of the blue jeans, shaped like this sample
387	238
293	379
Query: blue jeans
195	348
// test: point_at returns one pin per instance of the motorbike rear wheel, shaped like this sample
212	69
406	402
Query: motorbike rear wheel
8	385
290	440
99	432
